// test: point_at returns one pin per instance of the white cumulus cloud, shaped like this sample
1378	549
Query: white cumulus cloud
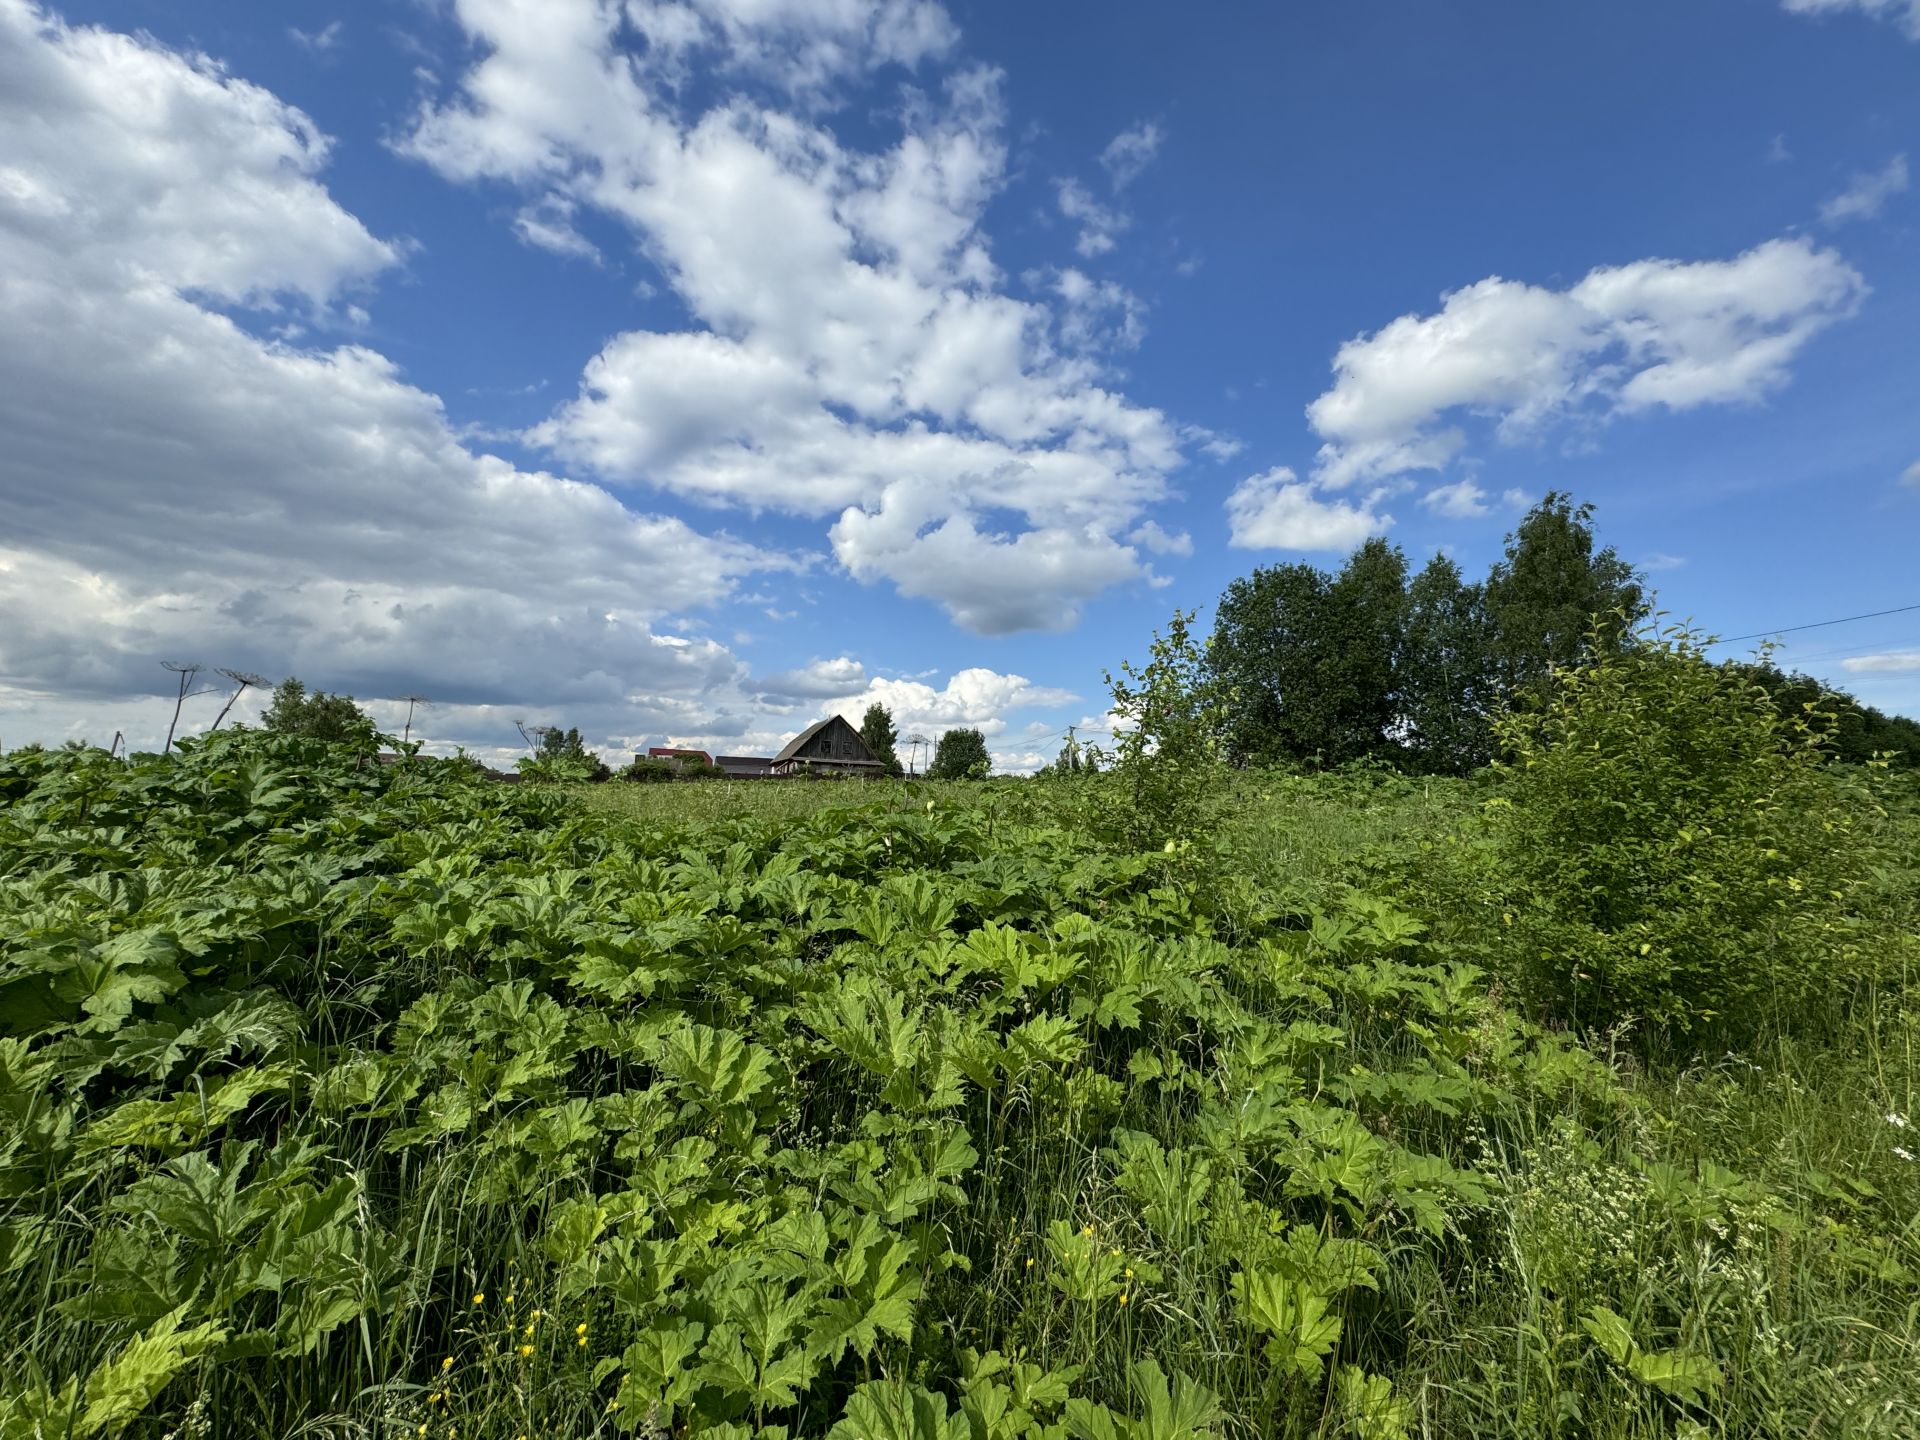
1462	500
1892	662
175	486
853	354
1278	511
1653	334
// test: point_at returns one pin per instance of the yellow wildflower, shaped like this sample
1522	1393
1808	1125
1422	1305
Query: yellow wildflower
1029	1262
526	1350
1086	1229
1123	1299
479	1297
581	1328
447	1364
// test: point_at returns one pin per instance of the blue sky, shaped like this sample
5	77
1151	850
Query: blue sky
689	369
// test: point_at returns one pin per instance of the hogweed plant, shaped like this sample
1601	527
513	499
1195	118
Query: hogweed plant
389	1102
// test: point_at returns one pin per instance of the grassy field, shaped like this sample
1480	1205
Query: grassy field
708	802
395	1103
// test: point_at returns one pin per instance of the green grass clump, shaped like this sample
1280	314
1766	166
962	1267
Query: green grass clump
392	1102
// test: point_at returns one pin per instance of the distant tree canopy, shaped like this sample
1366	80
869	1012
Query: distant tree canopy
1312	668
563	751
1545	597
876	730
294	710
1854	731
1318	668
960	755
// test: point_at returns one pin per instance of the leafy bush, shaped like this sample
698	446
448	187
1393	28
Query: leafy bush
1676	848
645	770
295	710
561	769
1165	774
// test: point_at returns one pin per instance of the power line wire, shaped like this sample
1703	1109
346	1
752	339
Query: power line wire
1818	624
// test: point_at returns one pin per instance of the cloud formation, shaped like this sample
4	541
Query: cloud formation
1462	500
1655	334
176	486
1892	662
1904	13
1278	511
1131	152
1867	193
855	356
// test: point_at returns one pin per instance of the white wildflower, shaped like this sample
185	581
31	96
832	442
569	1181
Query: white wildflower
1896	1119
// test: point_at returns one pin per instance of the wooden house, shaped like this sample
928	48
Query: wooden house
829	747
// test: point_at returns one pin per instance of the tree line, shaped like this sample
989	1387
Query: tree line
1311	668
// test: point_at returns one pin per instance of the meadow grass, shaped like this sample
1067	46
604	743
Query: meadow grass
891	1090
710	802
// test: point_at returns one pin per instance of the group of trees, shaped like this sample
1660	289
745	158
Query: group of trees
1372	662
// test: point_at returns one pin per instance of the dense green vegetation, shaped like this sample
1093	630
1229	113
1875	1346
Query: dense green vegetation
960	755
316	715
1370	663
1164	1101
877	732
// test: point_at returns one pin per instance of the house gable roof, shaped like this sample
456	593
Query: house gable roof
795	745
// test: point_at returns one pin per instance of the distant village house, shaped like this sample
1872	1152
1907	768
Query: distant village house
830	747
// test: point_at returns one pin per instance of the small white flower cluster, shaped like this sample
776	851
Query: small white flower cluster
1578	1215
1899	1122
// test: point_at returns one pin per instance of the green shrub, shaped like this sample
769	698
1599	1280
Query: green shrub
1675	848
1166	775
644	770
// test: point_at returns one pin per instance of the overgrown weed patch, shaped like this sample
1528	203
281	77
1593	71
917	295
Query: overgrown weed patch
391	1102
